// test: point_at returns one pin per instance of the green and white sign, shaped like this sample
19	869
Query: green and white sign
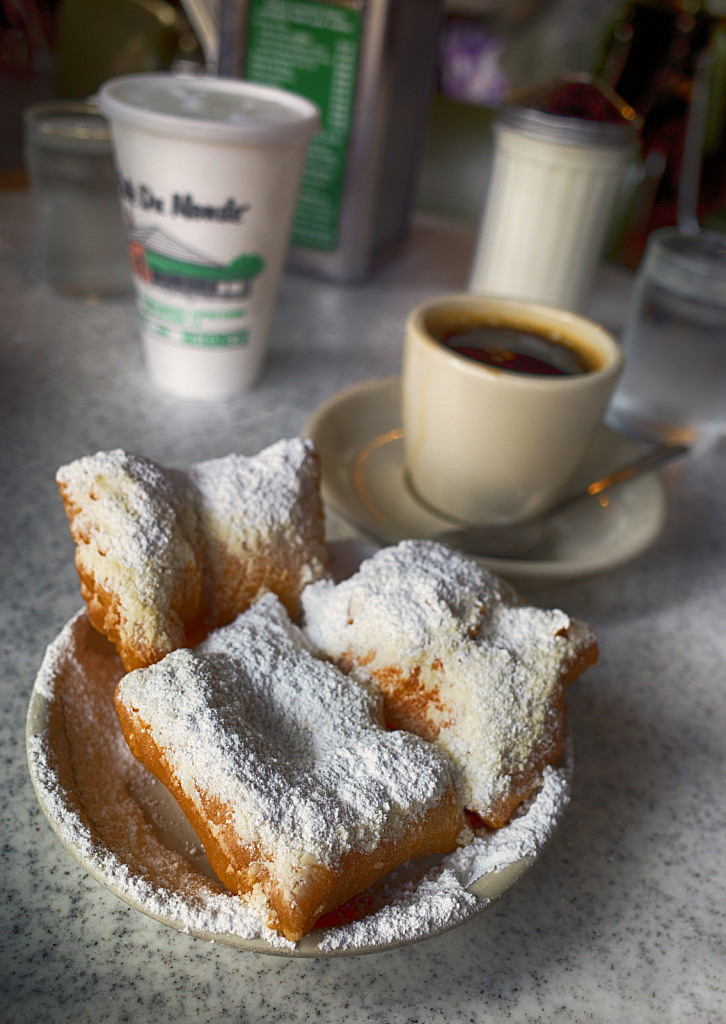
312	48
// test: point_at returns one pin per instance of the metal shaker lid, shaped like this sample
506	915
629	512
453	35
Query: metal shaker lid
573	109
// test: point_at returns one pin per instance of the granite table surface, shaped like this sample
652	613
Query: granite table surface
623	919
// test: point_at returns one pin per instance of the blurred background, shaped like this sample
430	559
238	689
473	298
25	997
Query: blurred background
662	56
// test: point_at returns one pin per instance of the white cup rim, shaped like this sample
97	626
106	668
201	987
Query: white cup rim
118	107
523	312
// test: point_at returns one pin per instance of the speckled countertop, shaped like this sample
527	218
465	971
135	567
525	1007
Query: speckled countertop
624	917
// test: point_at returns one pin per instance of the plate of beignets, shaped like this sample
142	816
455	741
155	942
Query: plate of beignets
360	766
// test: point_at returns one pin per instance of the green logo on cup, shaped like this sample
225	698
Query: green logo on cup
159	258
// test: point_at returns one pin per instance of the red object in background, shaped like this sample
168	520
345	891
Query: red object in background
26	35
137	257
581	100
26	63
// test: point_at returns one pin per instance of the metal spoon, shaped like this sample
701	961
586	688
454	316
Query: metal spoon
531	539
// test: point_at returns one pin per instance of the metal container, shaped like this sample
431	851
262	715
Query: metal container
369	65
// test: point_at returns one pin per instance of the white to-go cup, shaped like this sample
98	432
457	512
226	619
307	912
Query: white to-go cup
209	171
488	446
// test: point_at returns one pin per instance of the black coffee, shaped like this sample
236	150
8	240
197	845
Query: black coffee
512	348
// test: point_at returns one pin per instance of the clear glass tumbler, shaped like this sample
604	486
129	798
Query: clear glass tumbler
674	383
79	244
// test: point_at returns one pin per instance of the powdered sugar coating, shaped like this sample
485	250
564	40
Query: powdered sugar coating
294	750
441	899
204	907
118	847
264	499
164	555
483	675
138	545
525	835
438	901
262	523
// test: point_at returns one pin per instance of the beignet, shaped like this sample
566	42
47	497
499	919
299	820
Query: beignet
282	764
165	555
460	662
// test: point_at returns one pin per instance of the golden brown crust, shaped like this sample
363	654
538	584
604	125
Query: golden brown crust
581	660
417	707
527	780
106	614
242	866
238	567
233	582
138	642
411	705
230	859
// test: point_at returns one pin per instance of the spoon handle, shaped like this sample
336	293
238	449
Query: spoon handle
658	456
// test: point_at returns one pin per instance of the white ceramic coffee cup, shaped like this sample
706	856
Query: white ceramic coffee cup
209	171
488	446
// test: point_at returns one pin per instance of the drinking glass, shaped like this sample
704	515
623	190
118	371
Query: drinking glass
674	383
80	245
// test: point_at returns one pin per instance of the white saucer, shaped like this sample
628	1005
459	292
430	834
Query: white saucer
359	438
129	833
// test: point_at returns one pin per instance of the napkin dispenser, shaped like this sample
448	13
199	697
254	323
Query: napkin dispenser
370	67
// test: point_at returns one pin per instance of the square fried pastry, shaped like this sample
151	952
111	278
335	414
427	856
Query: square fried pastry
165	555
460	661
284	768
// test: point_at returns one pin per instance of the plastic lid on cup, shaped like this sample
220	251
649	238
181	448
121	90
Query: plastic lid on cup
209	109
574	110
691	266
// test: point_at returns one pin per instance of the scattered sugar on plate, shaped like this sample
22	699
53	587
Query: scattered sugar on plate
441	900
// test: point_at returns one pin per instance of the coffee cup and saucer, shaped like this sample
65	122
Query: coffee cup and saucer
498	416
